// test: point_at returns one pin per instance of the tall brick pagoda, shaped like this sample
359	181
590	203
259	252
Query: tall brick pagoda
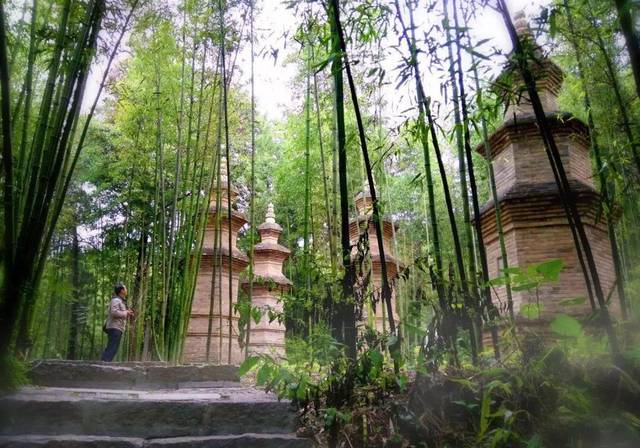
535	224
364	223
214	273
269	284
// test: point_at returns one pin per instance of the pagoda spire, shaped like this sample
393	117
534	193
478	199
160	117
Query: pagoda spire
548	76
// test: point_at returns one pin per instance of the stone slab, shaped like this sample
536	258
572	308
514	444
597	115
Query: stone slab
146	414
225	441
207	384
69	441
234	441
102	375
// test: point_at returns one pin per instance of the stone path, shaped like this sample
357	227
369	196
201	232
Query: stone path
77	404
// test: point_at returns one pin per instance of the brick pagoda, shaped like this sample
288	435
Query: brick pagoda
535	225
269	284
362	223
224	347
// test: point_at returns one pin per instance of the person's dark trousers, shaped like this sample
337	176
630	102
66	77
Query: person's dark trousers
112	344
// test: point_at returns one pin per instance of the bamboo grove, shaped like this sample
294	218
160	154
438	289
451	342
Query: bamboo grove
113	182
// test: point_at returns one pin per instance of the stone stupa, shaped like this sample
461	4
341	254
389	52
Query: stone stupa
534	221
220	270
269	284
376	318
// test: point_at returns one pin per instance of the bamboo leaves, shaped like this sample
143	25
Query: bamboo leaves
44	169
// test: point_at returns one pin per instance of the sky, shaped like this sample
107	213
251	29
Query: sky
273	78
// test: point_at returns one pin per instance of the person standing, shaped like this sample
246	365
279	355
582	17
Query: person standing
116	323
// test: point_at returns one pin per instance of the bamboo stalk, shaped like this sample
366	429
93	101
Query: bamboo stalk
252	199
344	317
629	31
488	305
386	289
608	198
457	98
491	177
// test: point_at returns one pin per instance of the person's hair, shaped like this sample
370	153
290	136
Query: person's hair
118	288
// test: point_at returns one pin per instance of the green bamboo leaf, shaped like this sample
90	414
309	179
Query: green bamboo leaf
573	302
376	358
498	281
525	286
531	310
485	409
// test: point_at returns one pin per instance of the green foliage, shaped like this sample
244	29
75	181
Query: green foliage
331	390
566	326
561	397
247	365
531	277
13	375
532	311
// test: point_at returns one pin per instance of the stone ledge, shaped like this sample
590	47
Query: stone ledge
125	375
145	414
227	441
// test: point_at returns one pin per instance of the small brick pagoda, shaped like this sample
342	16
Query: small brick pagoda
534	221
269	284
364	207
224	347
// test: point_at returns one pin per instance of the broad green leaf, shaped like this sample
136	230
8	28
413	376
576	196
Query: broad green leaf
550	269
256	315
329	417
566	326
248	364
263	375
301	391
534	442
485	409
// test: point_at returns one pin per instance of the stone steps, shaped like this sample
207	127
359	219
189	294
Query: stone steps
143	413
223	441
140	405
